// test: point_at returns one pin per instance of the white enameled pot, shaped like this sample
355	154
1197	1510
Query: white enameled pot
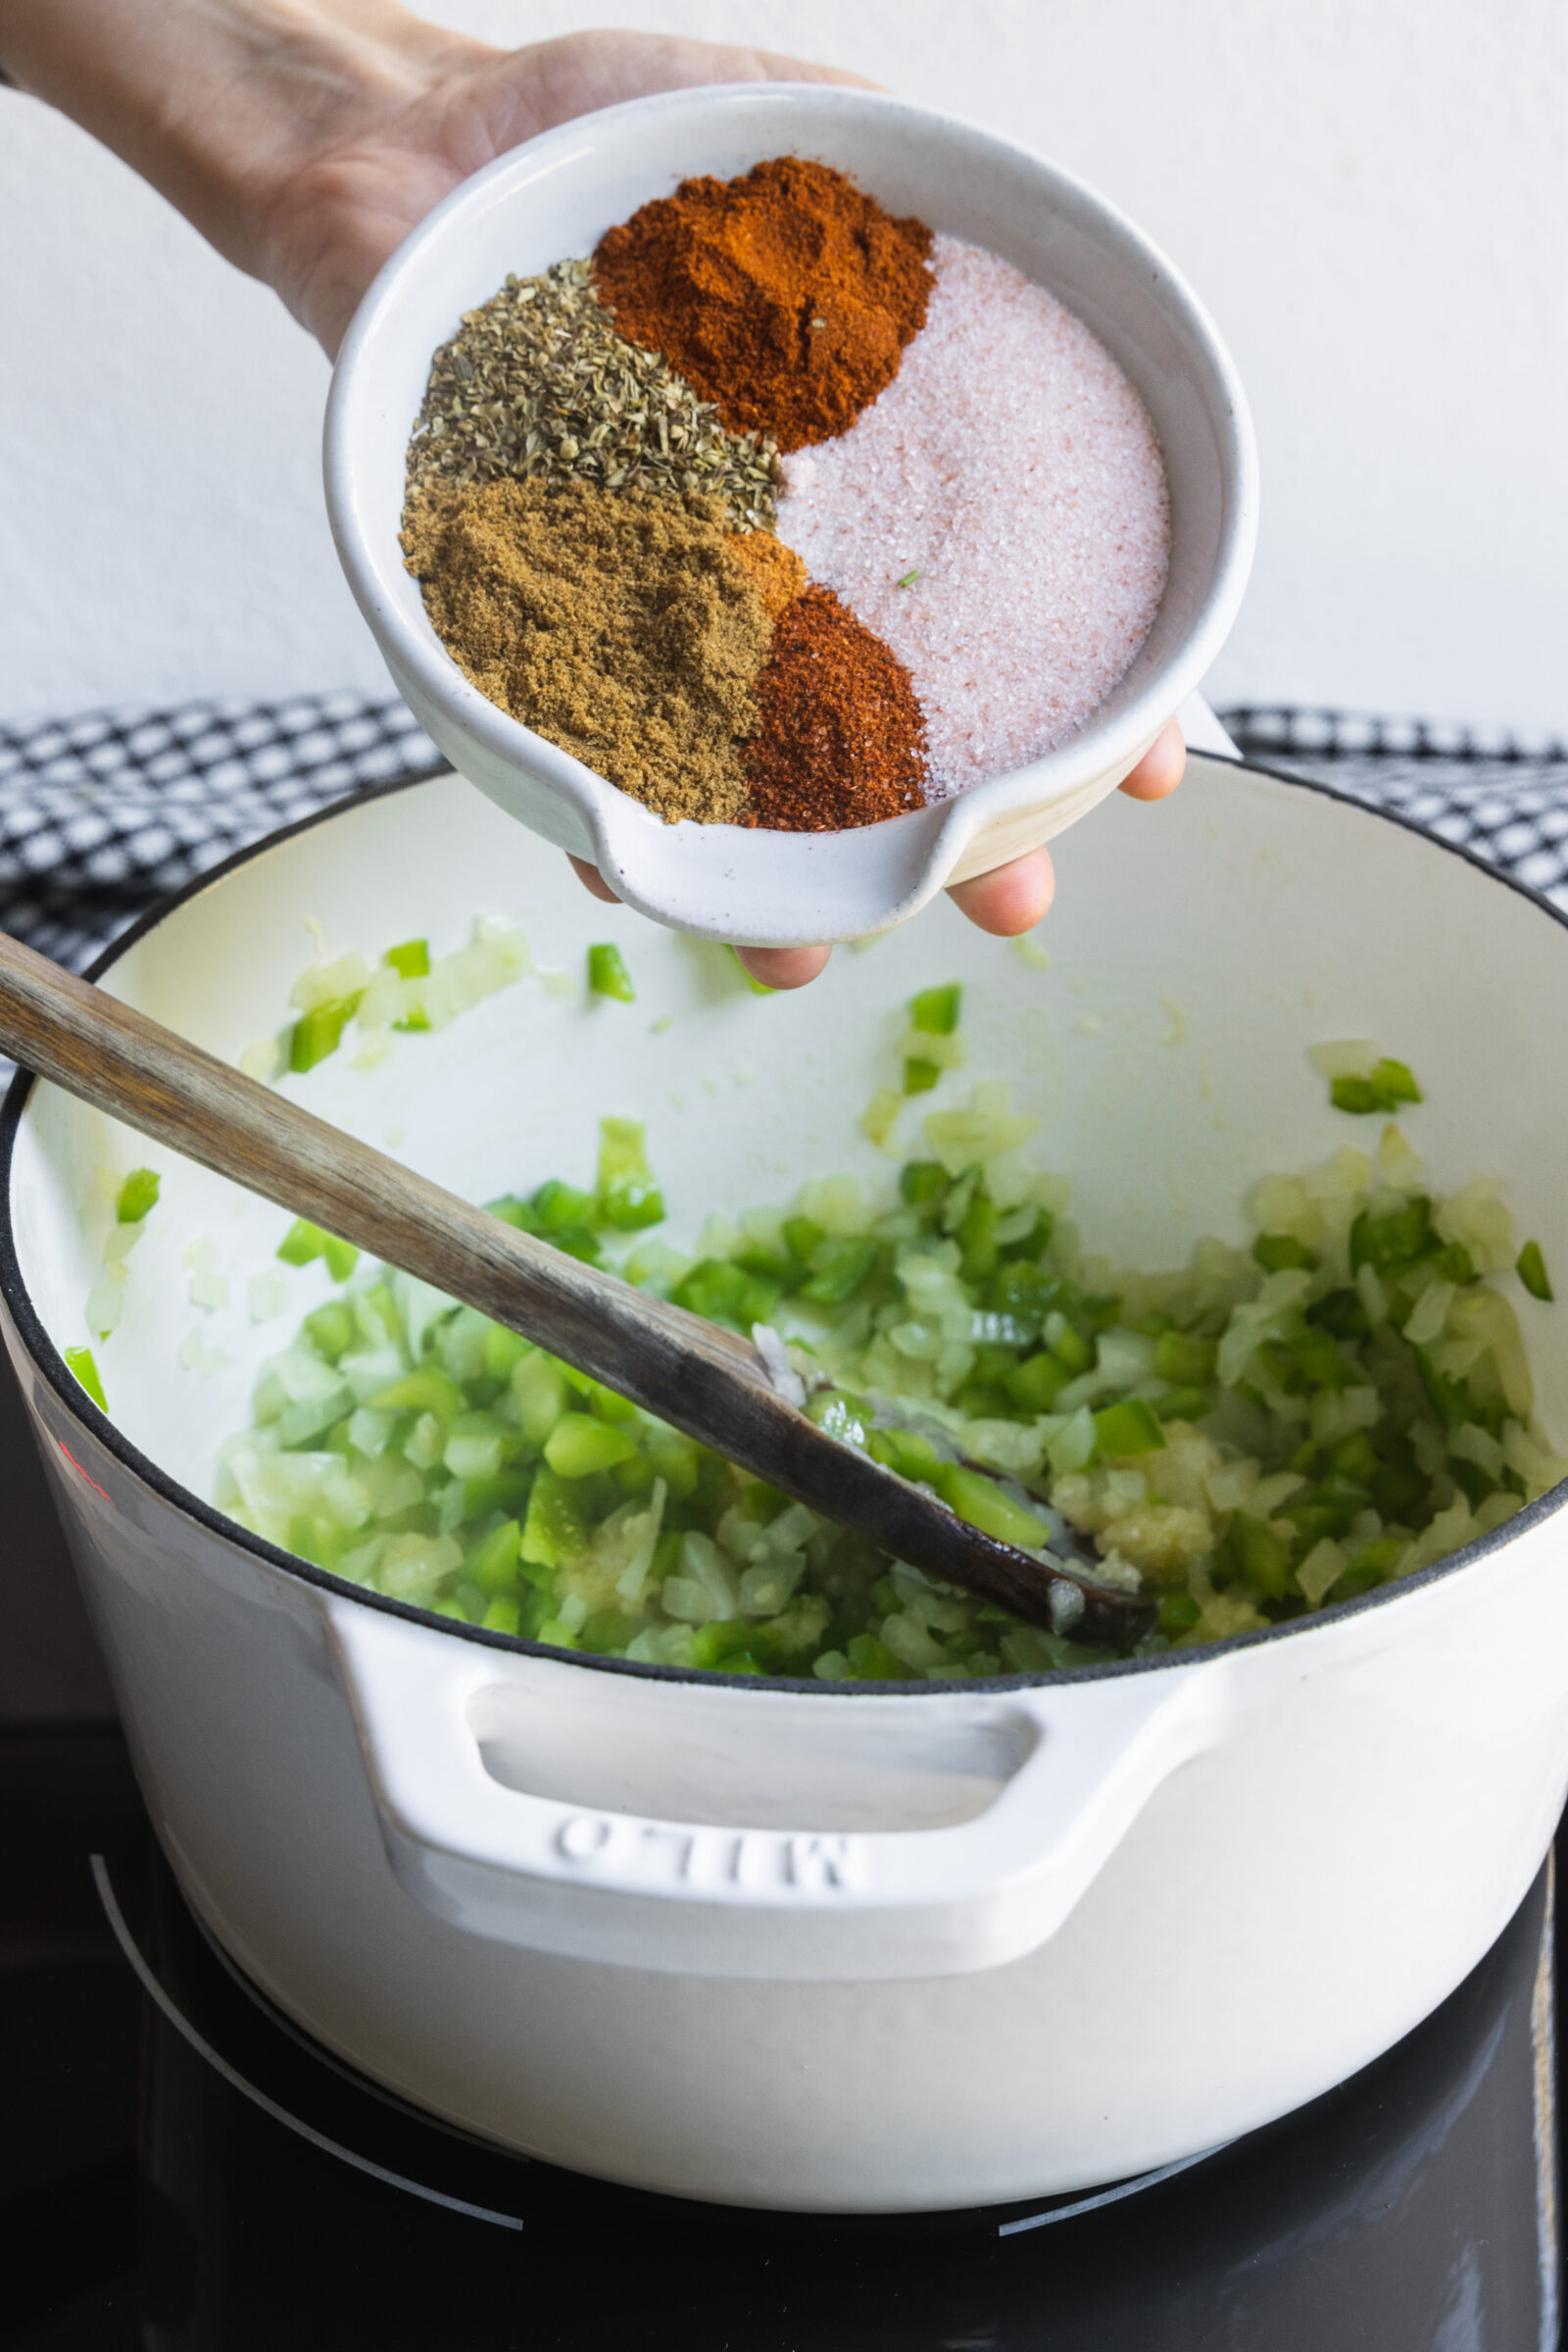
556	196
861	1948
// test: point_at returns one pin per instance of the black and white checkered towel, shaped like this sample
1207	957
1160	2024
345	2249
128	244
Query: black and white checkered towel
1504	798
101	814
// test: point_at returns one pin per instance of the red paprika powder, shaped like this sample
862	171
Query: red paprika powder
840	739
786	297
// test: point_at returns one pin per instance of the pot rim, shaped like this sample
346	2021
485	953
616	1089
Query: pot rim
19	1307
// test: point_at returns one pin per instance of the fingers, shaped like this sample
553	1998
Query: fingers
1006	901
577	72
1014	898
592	880
1010	897
447	106
1161	767
771	67
775	967
784	967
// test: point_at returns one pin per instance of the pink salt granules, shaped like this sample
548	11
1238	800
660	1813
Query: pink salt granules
1013	468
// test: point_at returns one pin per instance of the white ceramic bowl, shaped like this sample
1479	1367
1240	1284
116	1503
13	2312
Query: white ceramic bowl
556	196
861	1948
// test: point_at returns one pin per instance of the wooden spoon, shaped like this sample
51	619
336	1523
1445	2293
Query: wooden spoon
706	1381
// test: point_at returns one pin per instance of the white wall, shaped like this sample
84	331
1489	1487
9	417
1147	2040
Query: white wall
1372	196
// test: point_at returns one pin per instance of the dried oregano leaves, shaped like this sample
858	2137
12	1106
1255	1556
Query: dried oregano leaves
537	385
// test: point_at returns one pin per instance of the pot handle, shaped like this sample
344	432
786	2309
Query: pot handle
794	1905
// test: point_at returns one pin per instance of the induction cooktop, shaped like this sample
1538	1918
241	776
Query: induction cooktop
182	2168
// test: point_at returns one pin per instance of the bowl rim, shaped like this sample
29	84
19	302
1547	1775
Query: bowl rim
608	815
16	1304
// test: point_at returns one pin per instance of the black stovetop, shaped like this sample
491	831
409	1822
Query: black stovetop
180	2168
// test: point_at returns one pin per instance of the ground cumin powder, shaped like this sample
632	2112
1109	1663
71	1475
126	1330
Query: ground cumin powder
620	625
776	571
786	297
840	739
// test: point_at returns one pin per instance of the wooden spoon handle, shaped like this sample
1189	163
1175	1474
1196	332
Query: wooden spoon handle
702	1380
159	1083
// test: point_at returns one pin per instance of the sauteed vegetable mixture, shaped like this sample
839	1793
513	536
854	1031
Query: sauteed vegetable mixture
1264	1431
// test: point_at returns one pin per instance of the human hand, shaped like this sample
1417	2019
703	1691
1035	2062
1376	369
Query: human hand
305	138
335	221
333	216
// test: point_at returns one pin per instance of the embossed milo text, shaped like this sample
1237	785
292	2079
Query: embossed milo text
666	1853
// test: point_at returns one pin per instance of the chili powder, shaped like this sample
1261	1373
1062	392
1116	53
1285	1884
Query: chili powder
786	297
840	739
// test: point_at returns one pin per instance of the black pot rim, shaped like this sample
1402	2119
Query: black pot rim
97	1425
